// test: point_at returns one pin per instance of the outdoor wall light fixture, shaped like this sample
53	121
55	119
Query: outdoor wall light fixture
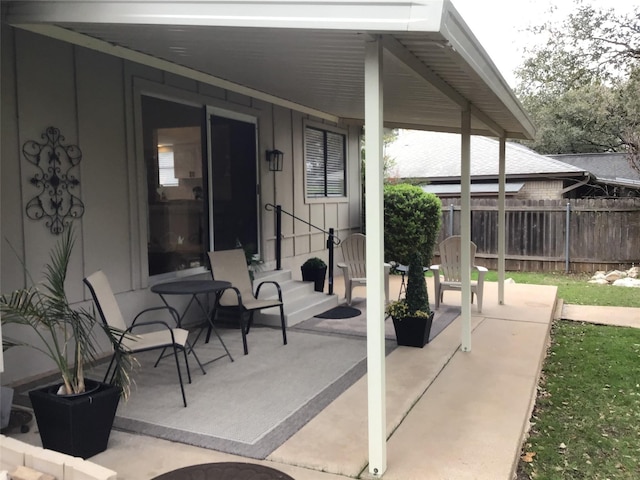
274	158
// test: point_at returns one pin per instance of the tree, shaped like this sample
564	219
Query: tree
590	46
388	163
581	85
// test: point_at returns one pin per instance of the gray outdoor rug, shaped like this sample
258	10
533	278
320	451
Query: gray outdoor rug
248	407
357	326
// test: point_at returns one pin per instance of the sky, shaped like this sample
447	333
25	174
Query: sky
500	25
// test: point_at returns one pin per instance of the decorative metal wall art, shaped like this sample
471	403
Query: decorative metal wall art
55	203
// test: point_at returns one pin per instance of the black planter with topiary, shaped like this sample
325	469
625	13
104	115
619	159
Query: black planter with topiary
412	316
314	270
413	331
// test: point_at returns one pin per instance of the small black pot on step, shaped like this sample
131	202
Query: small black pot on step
77	425
413	331
314	270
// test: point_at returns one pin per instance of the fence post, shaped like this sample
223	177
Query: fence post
567	237
450	220
330	246
278	237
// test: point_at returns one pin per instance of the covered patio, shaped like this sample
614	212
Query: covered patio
353	65
450	414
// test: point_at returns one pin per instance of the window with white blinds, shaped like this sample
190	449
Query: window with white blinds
166	168
325	163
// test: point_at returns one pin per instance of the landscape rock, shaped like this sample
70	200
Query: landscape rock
627	278
627	282
615	275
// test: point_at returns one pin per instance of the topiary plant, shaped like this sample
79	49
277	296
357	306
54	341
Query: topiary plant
416	302
417	296
412	221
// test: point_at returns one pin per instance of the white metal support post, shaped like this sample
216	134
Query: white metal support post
465	228
376	380
502	228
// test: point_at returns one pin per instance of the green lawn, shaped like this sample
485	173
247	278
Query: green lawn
586	421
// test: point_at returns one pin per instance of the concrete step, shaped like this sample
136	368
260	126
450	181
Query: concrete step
301	301
291	289
298	310
272	275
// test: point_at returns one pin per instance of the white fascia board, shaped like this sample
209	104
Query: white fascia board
467	46
365	15
482	132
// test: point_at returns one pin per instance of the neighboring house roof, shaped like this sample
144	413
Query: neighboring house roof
612	168
435	156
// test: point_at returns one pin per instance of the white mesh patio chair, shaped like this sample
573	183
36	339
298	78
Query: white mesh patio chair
165	337
354	265
231	265
452	274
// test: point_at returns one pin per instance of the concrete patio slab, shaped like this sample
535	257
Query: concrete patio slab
449	414
617	316
336	439
470	422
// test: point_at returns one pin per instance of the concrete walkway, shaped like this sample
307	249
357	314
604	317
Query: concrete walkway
616	316
450	415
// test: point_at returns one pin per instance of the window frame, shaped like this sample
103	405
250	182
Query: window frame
326	129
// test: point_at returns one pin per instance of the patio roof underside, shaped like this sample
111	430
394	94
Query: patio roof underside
428	75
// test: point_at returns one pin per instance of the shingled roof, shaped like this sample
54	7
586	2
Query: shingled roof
607	167
435	156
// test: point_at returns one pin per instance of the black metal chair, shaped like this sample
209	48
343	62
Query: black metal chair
130	343
231	265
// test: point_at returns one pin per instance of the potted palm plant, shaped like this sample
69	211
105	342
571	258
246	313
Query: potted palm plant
412	317
76	414
314	270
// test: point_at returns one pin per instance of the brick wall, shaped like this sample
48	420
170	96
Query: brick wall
541	190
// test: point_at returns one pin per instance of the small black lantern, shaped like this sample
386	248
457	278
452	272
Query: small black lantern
274	158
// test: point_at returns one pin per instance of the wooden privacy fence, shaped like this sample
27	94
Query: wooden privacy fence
573	235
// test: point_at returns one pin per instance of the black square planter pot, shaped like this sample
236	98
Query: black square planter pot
316	275
77	425
413	331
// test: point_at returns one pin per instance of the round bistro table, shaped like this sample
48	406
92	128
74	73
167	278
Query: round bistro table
194	288
225	471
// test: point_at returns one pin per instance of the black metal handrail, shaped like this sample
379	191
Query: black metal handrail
332	239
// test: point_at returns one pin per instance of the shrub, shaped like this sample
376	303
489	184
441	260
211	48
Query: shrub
314	262
412	221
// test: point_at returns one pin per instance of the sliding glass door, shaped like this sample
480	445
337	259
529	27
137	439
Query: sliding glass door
202	183
234	182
